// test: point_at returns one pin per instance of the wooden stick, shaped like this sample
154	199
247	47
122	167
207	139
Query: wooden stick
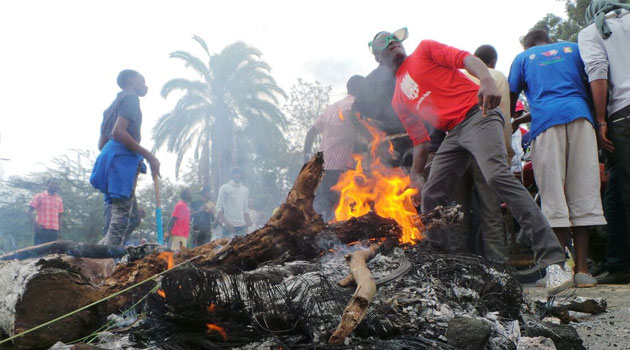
156	186
366	288
385	246
346	281
158	210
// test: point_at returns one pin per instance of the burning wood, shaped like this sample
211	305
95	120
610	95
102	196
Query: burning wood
358	305
76	249
294	232
215	328
168	257
381	189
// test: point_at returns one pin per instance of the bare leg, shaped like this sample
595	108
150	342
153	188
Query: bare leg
580	241
561	234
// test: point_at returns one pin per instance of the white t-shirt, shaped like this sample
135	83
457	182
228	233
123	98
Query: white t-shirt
232	202
517	163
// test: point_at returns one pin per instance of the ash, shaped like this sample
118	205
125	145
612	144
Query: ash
298	304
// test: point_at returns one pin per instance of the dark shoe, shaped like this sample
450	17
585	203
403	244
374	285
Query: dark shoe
596	269
607	277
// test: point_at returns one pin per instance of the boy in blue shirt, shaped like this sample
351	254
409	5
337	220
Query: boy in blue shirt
564	144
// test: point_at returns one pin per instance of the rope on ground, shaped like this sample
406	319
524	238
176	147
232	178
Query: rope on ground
94	303
88	339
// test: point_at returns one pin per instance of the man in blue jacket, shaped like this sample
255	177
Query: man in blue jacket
116	169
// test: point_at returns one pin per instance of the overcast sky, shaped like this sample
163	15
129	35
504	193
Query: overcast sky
60	58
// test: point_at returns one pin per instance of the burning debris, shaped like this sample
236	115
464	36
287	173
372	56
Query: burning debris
382	190
297	305
298	283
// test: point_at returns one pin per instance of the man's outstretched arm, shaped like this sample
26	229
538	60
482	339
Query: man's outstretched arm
308	142
489	95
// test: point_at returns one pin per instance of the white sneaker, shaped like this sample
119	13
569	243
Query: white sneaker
559	278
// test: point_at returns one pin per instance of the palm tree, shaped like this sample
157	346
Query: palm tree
235	93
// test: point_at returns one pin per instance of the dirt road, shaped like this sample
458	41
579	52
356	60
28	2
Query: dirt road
610	330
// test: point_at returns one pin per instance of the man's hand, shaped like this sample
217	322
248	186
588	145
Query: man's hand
417	182
154	164
515	126
525	118
602	139
488	96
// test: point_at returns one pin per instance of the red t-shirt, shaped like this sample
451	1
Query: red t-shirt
430	87
181	227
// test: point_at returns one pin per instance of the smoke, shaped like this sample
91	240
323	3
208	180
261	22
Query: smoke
333	71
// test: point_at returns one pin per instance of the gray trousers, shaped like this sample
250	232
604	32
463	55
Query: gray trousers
487	237
491	227
482	138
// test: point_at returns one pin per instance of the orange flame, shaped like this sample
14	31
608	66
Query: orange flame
384	190
161	293
211	308
168	257
215	328
340	115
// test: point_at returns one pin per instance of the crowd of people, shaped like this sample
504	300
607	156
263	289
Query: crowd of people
116	172
456	126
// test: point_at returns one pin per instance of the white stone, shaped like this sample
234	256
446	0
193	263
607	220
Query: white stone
536	343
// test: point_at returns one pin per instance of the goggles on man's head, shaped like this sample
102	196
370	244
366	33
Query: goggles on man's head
380	43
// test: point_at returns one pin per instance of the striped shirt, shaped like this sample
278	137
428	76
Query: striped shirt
48	207
337	135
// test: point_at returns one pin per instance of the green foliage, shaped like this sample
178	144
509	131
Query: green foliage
306	102
560	29
234	94
82	220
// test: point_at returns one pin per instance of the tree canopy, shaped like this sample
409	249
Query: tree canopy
306	102
561	29
232	106
82	220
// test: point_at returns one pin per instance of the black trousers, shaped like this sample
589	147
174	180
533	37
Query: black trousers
617	195
325	198
44	235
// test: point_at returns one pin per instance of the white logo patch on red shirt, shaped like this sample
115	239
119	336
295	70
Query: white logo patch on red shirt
409	87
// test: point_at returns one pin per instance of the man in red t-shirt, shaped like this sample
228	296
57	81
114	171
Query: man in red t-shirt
48	206
179	225
431	88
